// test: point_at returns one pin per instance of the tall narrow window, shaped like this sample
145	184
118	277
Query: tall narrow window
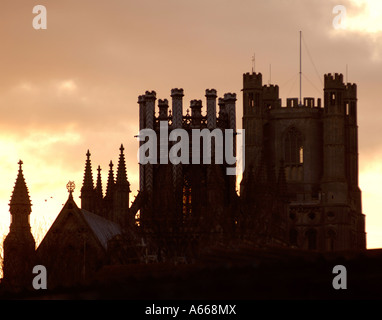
294	155
294	149
301	152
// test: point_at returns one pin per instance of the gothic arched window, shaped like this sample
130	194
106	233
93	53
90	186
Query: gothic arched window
294	149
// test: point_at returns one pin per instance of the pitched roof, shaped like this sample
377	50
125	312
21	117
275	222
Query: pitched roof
102	228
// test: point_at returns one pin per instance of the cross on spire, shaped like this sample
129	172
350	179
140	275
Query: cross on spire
70	186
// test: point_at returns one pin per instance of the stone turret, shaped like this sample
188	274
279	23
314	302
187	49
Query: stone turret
19	244
211	108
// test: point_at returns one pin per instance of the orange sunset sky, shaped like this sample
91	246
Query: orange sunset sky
74	86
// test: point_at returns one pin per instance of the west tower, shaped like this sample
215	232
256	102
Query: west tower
314	150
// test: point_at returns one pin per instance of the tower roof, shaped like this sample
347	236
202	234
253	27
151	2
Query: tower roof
110	180
88	175
121	171
99	183
20	195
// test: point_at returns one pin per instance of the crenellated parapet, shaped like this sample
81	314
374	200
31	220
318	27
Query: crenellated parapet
226	117
270	92
163	109
252	80
307	102
335	81
211	96
351	91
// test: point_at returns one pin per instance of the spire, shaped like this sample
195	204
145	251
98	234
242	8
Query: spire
121	171
99	183
20	195
88	195
19	244
88	176
110	181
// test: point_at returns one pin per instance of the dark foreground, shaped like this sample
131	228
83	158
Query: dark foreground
232	274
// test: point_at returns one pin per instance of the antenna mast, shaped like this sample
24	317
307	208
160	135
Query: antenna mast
300	69
253	63
270	74
346	73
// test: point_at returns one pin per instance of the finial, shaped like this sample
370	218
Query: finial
70	186
111	164
99	169
20	163
122	148
88	154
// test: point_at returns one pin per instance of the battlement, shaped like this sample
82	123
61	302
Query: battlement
335	81
270	92
229	96
163	108
211	93
162	103
175	115
196	104
308	102
177	92
196	108
252	80
150	95
351	91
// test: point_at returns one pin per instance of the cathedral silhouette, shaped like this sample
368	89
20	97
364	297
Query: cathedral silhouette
299	192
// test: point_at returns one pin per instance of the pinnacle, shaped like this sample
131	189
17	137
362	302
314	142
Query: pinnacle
99	182
88	176
121	171
110	180
20	195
